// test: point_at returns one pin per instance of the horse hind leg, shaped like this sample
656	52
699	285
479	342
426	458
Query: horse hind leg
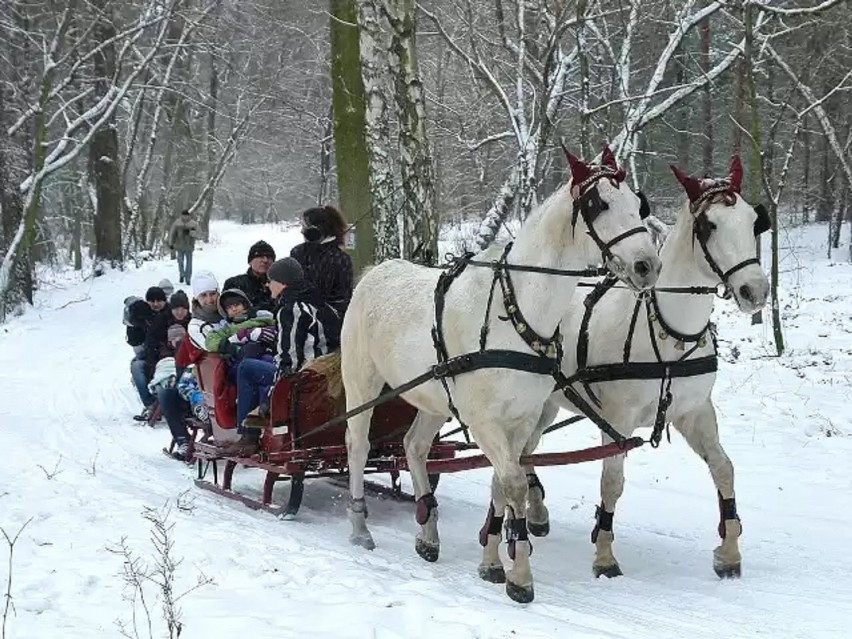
362	385
418	443
612	486
491	534
701	432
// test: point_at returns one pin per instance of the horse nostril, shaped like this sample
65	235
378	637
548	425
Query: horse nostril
745	293
642	268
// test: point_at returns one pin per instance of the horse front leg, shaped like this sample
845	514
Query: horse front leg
494	442
418	443
538	517
612	486
701	431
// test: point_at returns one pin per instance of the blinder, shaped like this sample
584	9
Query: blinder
763	222
644	207
703	227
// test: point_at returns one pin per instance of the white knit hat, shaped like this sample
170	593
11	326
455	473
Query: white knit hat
202	282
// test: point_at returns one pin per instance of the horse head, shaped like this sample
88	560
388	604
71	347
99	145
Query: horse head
612	214
725	227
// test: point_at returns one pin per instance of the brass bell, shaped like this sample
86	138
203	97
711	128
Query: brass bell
652	318
521	327
663	335
536	345
551	350
702	342
679	345
512	309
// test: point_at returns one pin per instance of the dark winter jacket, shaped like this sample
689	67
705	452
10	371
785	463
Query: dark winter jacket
255	287
139	317
329	268
157	341
307	328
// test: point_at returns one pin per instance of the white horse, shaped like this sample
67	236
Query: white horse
387	339
712	242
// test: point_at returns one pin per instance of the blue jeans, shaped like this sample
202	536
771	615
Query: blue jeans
184	260
175	409
254	378
140	381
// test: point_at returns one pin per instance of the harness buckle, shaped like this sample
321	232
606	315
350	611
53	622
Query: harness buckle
453	366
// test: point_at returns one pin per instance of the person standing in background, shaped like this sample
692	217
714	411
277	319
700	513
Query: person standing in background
182	238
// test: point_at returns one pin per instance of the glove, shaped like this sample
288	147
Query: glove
266	335
228	350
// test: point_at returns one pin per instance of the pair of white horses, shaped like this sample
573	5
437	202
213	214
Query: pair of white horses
386	339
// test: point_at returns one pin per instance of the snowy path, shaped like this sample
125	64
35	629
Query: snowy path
66	392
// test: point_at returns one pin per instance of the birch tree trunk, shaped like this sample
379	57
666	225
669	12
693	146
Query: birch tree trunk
420	221
374	45
211	144
707	98
754	120
350	143
103	149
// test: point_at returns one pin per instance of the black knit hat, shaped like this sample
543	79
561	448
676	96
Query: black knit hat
261	249
155	294
287	271
179	300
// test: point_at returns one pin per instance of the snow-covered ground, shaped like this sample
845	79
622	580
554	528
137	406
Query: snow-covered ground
76	464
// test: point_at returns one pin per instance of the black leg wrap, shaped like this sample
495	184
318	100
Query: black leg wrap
425	505
493	526
516	530
603	522
727	510
534	482
358	506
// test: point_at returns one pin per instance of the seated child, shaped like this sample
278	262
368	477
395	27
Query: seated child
246	326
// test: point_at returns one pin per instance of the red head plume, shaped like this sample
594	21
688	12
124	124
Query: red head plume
691	185
579	169
608	159
735	173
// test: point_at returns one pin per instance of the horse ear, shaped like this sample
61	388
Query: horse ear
579	170
735	173
691	185
608	159
763	222
644	207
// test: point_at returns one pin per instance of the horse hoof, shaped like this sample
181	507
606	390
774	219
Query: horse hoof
494	573
520	594
538	530
729	571
607	571
428	551
365	541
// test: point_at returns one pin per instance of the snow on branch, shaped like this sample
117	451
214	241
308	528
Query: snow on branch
799	11
816	106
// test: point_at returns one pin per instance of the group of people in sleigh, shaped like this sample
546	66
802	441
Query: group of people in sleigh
264	323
